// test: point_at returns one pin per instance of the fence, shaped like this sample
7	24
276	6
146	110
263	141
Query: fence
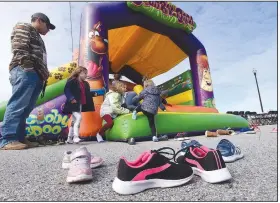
270	118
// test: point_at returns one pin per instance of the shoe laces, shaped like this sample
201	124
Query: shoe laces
162	151
237	150
173	154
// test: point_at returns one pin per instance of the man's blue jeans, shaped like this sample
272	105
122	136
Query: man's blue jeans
26	88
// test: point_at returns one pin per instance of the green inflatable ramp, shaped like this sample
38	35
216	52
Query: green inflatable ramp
172	122
51	92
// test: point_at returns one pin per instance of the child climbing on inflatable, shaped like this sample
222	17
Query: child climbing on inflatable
152	99
78	99
111	107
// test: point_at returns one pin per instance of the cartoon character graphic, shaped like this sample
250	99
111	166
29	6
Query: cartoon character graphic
40	114
98	48
204	71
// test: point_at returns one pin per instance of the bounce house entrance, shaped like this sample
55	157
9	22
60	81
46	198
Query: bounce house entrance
149	53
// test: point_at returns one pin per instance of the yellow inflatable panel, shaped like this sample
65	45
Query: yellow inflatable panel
180	98
146	51
61	72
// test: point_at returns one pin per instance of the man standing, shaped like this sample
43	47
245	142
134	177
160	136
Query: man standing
28	76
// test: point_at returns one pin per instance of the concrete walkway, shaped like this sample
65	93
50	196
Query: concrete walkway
36	174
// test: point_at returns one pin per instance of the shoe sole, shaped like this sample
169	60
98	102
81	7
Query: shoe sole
95	165
133	187
79	178
232	158
215	176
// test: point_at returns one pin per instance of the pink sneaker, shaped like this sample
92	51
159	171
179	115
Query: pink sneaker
94	162
79	169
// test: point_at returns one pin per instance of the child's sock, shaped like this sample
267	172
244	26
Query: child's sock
99	138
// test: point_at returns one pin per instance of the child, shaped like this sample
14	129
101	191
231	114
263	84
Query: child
151	96
111	107
78	99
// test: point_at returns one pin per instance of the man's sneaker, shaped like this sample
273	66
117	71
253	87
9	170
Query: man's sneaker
79	169
134	115
94	161
181	137
229	152
30	144
206	163
150	170
210	134
14	146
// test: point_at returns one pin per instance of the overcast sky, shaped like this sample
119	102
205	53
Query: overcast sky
238	36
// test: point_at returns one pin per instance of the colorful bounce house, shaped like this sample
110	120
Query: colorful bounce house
136	39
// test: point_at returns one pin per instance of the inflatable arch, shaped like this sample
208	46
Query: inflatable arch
142	39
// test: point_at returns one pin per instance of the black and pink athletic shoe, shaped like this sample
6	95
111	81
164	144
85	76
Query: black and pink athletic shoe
150	170
206	163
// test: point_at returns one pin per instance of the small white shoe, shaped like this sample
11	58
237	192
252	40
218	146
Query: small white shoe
79	168
99	138
95	161
69	140
76	140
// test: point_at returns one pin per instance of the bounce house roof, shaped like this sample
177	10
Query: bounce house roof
147	52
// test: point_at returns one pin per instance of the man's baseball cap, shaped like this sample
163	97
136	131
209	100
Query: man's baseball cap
44	18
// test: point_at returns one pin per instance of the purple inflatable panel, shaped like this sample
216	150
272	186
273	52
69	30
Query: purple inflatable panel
48	119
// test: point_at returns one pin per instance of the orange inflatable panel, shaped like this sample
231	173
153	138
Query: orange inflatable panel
90	124
190	109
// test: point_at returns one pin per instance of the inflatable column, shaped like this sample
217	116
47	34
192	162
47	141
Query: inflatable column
202	82
93	54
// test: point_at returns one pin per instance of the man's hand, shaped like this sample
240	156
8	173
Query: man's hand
73	101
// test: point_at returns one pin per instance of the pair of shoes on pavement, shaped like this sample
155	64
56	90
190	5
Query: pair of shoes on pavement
16	145
80	164
218	133
152	169
228	150
73	140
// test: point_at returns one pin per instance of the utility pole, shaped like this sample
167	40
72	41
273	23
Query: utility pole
255	74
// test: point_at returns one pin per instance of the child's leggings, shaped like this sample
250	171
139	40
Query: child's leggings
75	124
151	119
109	124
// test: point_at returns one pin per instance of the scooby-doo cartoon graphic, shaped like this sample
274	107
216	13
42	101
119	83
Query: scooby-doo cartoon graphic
98	48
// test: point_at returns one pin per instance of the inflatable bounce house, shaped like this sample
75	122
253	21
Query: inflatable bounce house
135	39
